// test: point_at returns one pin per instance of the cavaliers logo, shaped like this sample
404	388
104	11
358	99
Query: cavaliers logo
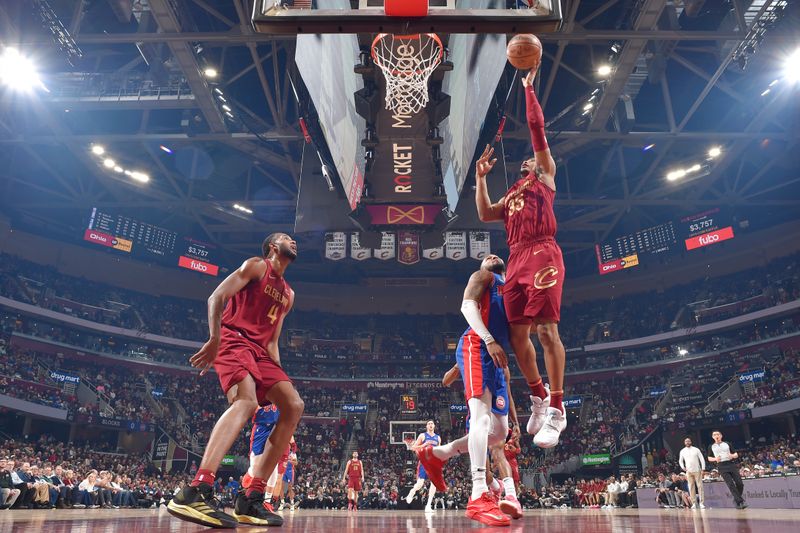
415	215
500	402
546	278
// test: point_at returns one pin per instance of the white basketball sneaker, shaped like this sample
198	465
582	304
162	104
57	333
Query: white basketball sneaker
554	423
538	412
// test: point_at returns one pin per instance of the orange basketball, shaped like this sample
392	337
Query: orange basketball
524	51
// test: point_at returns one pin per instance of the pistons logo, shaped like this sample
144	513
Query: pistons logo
500	402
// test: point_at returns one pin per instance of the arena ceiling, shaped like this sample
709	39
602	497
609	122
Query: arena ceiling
130	76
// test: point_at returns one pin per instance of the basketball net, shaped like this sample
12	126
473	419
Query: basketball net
407	62
409	442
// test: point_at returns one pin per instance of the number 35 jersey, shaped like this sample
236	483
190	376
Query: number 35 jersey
255	311
528	213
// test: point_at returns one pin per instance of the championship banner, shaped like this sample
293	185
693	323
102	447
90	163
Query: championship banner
433	253
64	377
407	247
479	245
335	245
456	245
403	214
356	251
386	251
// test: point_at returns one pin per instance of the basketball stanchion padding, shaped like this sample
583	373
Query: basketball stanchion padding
406	8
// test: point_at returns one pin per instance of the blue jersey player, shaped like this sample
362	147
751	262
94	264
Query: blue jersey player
264	421
482	361
429	438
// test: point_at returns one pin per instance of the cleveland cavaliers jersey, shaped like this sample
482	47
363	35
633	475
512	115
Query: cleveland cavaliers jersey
493	312
528	212
354	468
254	311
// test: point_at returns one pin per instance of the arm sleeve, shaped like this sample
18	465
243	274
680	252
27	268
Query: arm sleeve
535	120
469	308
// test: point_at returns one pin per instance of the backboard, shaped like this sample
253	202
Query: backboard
290	17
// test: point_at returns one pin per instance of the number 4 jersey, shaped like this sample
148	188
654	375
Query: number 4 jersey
254	311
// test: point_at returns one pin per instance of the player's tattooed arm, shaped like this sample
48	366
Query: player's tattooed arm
272	346
478	283
253	268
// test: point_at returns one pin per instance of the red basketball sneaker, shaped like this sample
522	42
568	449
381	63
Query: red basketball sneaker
247	479
268	507
485	511
433	466
510	506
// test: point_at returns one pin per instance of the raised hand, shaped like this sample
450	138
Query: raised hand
527	81
485	162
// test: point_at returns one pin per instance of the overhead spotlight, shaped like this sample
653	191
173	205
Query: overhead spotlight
98	150
229	114
109	163
165	148
210	73
588	106
676	174
141	177
792	66
604	70
694	168
222	98
714	152
18	72
118	169
683	351
243	209
217	90
226	107
766	92
649	147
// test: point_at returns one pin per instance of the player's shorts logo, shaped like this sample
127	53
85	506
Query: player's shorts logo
500	402
545	278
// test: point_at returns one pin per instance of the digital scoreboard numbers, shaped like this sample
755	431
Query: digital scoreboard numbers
197	256
706	228
408	404
150	242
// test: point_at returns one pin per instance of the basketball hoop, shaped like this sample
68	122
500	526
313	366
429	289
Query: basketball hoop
407	62
409	442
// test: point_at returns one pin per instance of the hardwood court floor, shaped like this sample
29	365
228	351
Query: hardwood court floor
535	521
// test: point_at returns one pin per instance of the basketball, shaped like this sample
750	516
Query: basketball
524	51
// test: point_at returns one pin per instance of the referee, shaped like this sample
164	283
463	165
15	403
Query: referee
722	453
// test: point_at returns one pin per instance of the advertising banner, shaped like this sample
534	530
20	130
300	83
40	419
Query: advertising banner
354	408
573	402
596	459
64	377
752	376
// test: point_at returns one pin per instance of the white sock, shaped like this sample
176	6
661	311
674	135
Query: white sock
508	485
451	449
479	426
418	485
495	485
431	494
268	495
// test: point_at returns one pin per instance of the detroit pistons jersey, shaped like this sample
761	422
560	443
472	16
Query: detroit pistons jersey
254	311
493	312
433	440
528	212
266	415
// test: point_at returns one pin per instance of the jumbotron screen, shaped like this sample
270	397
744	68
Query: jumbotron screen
149	242
696	231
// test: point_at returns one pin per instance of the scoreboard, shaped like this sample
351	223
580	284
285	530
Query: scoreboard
696	231
408	404
149	242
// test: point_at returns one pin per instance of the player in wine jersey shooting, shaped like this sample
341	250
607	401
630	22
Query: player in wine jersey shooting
535	278
429	438
354	474
482	360
245	317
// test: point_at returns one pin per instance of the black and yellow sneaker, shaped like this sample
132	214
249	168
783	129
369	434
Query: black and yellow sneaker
250	510
196	504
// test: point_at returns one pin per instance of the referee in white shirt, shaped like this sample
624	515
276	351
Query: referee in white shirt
726	458
692	462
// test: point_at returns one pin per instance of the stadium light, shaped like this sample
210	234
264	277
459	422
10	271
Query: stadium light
676	174
694	168
791	68
210	73
109	163
141	177
683	351
98	149
18	72
119	169
714	152
243	209
604	70
165	148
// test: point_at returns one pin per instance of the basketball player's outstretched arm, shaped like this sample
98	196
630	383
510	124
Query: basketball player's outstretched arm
487	211
253	268
544	160
478	283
